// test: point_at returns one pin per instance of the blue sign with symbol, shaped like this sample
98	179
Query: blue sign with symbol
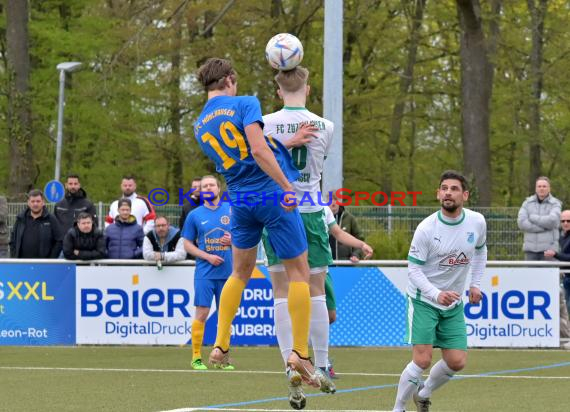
54	191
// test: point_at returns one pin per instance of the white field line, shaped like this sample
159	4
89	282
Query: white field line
132	370
251	348
269	410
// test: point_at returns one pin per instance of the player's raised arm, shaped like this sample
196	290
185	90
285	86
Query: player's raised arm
265	157
347	239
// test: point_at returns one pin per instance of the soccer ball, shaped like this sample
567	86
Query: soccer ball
284	51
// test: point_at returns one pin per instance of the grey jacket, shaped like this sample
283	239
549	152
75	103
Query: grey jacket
540	222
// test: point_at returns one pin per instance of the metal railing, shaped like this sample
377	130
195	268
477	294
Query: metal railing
504	238
363	263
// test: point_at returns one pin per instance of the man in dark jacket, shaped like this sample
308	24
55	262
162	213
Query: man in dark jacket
36	233
347	222
74	203
84	241
124	238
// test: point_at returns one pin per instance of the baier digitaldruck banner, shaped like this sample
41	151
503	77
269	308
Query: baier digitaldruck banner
145	306
520	307
36	302
134	305
142	305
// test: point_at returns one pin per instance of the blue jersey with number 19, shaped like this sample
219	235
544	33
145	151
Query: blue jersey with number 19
220	131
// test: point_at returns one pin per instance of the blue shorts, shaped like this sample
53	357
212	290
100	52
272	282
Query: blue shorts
285	230
206	289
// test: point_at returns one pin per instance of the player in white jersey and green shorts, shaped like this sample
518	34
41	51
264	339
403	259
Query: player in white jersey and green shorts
308	153
446	247
283	328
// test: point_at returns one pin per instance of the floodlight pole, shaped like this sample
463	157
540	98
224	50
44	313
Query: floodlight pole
333	92
63	68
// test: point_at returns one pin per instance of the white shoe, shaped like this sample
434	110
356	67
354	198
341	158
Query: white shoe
297	398
327	385
422	404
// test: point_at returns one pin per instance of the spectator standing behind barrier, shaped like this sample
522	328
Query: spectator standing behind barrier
163	243
36	233
75	202
141	208
539	218
125	236
84	241
187	207
4	235
564	255
347	222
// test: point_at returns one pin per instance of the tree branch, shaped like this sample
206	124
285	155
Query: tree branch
218	17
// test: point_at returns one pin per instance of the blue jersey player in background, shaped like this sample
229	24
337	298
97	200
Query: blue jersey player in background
209	227
230	132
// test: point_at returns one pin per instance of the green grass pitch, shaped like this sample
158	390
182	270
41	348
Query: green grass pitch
160	379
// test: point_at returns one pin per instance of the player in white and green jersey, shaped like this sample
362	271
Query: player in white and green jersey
308	153
446	247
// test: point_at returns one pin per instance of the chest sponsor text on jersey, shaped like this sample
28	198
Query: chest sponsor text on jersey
453	260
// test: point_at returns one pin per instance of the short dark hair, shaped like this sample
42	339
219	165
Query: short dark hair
218	181
212	73
35	193
72	176
84	215
452	174
128	177
162	217
197	179
125	201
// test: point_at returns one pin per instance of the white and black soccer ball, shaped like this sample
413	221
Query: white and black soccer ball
284	51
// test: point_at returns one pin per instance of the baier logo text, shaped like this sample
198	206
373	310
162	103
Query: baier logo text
512	304
117	303
511	314
505	303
